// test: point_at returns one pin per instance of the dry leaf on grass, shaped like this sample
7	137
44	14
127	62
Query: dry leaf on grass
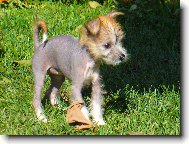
93	4
136	133
75	116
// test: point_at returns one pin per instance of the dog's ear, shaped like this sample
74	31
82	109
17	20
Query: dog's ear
114	14
93	26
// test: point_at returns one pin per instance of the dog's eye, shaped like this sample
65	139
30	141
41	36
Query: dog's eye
107	46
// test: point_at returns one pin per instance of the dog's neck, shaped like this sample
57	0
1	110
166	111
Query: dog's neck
86	49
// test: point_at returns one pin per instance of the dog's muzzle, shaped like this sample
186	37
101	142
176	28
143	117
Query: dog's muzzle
122	57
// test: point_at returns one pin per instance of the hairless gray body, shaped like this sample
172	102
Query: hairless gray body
62	57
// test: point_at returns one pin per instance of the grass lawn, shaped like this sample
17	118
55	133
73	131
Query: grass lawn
142	95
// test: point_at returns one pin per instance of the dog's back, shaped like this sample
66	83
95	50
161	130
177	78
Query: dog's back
63	52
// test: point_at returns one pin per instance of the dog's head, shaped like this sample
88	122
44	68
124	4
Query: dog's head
103	38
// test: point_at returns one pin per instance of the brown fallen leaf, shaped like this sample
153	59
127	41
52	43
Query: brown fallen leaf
4	80
94	4
133	7
75	116
23	62
4	0
136	133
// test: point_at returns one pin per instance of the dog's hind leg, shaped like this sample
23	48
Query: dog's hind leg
39	78
56	82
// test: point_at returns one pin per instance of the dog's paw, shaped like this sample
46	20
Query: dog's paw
100	122
55	102
60	107
43	118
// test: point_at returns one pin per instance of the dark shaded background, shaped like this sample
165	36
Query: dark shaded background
153	42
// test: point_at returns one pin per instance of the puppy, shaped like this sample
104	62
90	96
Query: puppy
77	59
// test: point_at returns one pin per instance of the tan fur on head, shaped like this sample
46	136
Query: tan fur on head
99	31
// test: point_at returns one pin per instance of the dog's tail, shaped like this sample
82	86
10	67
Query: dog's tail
39	25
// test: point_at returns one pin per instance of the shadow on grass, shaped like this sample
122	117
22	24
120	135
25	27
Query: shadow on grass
153	42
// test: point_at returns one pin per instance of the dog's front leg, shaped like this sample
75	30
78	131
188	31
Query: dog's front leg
76	96
97	100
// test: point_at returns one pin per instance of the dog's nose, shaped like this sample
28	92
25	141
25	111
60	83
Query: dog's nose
122	57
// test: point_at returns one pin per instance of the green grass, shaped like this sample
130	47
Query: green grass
143	95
